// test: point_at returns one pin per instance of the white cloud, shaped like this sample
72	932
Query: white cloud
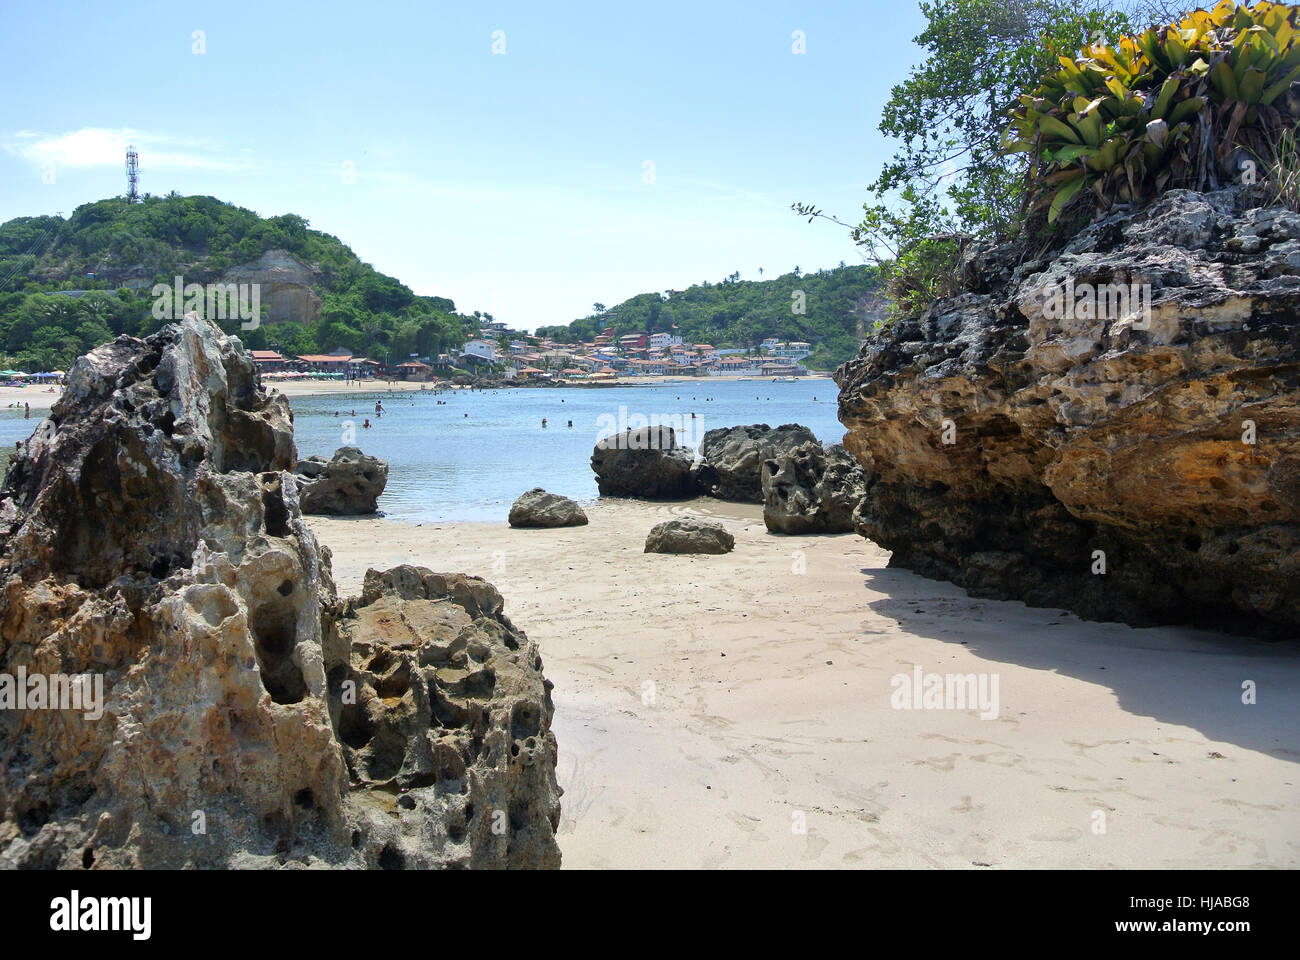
98	147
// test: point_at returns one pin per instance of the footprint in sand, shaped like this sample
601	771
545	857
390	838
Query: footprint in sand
814	847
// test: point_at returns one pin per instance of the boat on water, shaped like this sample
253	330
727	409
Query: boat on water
785	379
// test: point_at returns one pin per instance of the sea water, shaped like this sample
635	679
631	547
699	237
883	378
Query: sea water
469	456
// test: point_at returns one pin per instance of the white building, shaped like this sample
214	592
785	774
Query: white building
483	349
794	350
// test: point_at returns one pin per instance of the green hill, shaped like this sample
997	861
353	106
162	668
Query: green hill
107	256
839	307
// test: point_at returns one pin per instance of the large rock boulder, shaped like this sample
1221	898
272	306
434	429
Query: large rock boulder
811	490
732	458
537	508
689	535
1038	437
647	462
346	484
449	729
156	570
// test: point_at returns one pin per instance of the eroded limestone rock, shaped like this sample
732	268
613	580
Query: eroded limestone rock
647	462
732	458
537	508
811	490
151	539
448	735
1012	444
689	535
347	484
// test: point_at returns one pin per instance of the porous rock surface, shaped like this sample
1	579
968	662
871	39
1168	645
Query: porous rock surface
731	466
151	535
689	535
348	483
645	462
1019	452
811	490
445	719
537	508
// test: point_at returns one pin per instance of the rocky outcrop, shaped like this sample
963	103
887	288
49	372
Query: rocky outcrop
1039	438
731	467
346	484
156	571
537	508
811	490
689	535
647	462
285	283
445	719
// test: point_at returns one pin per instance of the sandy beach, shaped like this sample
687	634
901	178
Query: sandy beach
39	397
735	711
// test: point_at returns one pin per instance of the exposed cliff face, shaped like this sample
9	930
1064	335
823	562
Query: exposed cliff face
1037	428
151	542
286	286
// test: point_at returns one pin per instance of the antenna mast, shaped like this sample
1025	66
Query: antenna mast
132	174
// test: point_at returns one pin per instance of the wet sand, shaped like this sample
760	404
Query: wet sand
734	711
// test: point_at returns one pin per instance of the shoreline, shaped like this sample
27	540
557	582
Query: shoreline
41	398
707	706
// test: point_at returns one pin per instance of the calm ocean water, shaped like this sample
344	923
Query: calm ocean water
470	457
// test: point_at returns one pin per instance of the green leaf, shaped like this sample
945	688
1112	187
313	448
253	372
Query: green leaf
1064	196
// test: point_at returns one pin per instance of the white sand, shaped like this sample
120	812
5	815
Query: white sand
38	396
749	730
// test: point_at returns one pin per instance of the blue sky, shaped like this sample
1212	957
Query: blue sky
513	182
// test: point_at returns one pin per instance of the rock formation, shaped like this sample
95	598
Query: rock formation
811	490
647	462
348	483
445	720
152	545
537	508
689	535
286	284
732	458
1045	436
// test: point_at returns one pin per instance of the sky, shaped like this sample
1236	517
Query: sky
523	159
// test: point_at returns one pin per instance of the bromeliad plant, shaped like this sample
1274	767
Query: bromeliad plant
1171	107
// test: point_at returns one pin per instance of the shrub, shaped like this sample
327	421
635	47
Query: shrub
1170	107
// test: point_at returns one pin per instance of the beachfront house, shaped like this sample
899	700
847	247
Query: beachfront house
794	350
268	361
480	350
413	370
324	362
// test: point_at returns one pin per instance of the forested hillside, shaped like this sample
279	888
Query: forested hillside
116	252
830	309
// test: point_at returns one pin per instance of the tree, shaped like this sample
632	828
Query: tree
950	177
